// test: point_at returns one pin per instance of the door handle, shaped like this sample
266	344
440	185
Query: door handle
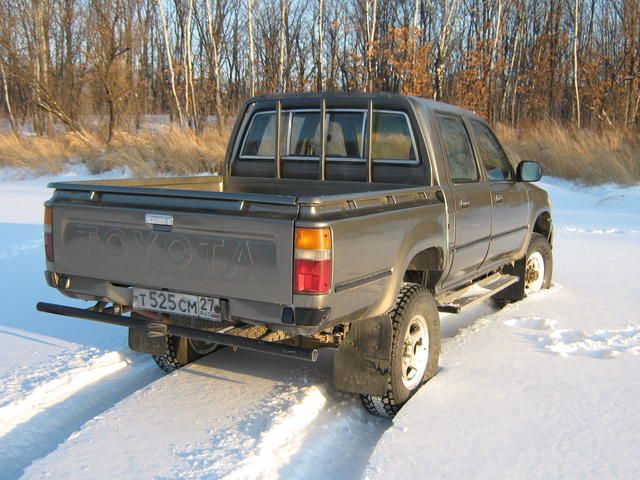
465	204
499	198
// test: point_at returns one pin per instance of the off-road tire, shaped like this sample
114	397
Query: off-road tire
539	243
179	352
412	299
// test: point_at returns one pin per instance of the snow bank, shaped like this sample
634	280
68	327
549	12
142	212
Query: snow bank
22	195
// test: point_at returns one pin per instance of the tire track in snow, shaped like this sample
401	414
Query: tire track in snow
58	388
278	444
60	400
304	429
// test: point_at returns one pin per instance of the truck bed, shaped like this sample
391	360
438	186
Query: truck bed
232	239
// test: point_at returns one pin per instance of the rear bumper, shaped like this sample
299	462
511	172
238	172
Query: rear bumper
288	318
157	327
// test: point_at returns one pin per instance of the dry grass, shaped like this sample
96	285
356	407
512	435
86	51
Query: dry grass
586	156
42	155
166	150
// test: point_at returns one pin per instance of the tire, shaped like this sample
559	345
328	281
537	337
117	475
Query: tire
538	247
415	313
181	351
538	266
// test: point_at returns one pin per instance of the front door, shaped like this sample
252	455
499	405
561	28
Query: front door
510	202
471	211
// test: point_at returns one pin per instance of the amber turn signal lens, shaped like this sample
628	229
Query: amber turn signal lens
313	238
47	216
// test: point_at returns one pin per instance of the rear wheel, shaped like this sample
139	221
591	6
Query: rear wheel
182	351
414	353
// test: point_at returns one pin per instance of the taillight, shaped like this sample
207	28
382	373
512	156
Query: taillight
312	261
48	234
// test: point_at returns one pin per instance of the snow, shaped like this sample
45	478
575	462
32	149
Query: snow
547	387
544	388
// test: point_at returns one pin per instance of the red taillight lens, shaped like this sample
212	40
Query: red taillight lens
312	276
312	261
48	246
48	234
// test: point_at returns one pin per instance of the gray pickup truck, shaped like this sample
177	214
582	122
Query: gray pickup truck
344	221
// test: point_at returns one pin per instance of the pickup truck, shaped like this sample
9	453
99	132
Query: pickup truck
342	221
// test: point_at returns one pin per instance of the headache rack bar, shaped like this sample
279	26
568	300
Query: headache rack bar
148	325
323	142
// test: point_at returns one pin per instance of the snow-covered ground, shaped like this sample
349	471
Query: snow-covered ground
545	388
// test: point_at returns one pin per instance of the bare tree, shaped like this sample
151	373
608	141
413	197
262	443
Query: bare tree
281	58
576	22
252	55
165	32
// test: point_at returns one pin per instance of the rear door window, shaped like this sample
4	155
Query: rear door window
392	138
458	150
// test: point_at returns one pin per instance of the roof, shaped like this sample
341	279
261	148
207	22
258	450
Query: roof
353	97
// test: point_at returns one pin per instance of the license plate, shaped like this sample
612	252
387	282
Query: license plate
177	303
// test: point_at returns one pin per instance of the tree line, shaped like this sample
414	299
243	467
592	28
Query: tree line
102	64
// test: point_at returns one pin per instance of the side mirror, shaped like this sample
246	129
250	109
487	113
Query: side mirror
528	171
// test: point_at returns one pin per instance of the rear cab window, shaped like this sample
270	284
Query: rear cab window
392	136
393	144
259	140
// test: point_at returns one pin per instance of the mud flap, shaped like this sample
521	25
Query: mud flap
152	341
364	357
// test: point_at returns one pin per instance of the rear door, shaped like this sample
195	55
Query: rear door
510	202
472	200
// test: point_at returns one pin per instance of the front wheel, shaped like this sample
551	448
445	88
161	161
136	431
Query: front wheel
534	272
538	265
415	350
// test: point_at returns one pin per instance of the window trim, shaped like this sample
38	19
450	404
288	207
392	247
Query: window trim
479	170
363	159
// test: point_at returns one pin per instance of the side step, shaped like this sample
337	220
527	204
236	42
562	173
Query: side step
457	300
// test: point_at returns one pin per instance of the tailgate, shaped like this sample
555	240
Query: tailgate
226	249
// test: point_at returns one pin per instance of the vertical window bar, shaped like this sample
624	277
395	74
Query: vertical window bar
278	128
370	142
323	136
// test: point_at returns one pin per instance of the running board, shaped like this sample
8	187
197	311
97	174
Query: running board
456	301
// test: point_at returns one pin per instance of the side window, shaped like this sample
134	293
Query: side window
458	149
344	134
493	157
391	137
